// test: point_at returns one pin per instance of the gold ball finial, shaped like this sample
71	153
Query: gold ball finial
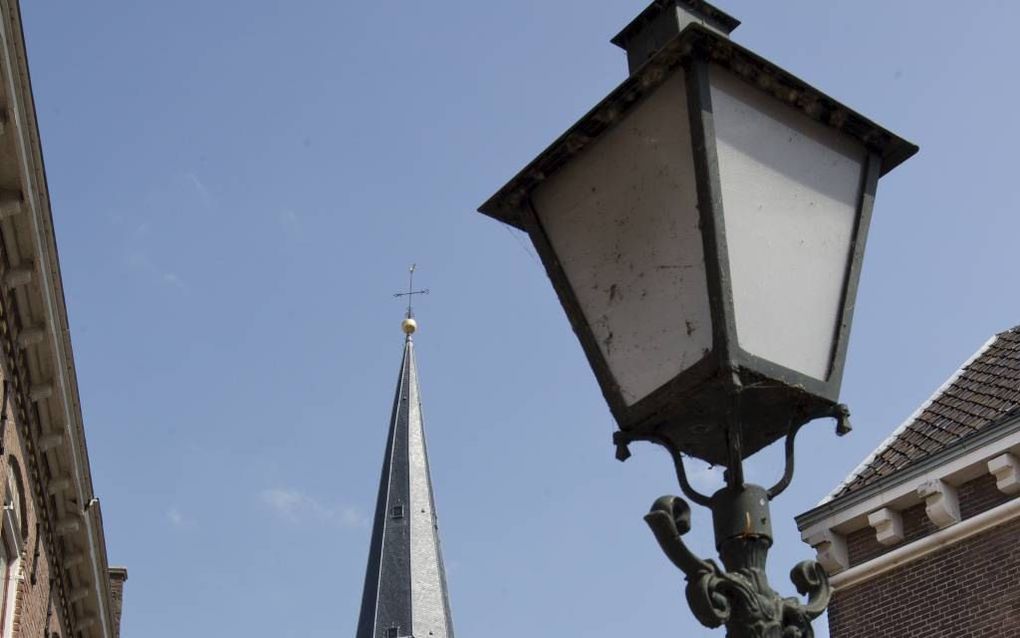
408	325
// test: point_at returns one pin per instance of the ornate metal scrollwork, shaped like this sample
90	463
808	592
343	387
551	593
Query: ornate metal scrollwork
740	597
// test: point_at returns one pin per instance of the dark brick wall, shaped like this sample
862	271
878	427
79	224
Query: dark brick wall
862	546
118	576
975	497
980	495
970	589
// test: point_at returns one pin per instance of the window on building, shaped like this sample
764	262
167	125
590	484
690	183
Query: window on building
12	536
397	511
392	632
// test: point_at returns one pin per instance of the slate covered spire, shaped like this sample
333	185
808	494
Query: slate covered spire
405	583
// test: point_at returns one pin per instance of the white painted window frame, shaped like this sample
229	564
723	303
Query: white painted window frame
10	546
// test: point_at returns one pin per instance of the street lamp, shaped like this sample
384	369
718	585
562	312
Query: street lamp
703	227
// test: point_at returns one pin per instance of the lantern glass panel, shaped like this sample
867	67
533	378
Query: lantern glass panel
622	219
790	193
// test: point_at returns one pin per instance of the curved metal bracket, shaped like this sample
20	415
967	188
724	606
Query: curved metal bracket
742	598
839	412
784	482
624	439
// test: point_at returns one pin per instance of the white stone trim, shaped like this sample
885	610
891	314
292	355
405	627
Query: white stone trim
68	525
1006	469
903	426
74	560
940	502
10	587
924	546
58	485
831	549
10	201
888	525
18	276
51	441
900	496
31	336
40	392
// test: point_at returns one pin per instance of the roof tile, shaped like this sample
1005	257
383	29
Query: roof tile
982	393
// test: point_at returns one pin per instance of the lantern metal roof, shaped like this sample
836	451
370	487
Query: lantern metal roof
694	39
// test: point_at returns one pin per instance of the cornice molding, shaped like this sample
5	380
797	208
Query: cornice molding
932	483
924	546
961	461
941	503
1006	469
33	271
888	525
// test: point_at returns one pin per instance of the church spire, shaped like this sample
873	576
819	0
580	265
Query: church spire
405	583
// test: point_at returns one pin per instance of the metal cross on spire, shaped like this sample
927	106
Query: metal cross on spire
411	292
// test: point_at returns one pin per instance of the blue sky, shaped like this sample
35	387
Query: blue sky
238	188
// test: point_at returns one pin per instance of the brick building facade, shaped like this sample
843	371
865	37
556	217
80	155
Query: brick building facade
921	539
55	581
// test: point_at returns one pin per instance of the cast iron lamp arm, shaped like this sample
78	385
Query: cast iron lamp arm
839	412
622	440
669	519
787	477
810	579
739	597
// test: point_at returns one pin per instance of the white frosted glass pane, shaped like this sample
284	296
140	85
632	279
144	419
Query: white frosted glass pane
790	188
622	217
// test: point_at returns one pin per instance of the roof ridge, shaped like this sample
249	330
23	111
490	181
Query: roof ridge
1014	330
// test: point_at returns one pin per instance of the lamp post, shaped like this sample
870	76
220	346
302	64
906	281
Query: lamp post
703	227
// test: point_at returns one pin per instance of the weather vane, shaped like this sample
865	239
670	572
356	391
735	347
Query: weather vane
409	324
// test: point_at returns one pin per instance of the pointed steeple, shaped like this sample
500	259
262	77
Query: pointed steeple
405	583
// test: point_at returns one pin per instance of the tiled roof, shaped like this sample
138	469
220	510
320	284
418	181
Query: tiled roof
980	394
